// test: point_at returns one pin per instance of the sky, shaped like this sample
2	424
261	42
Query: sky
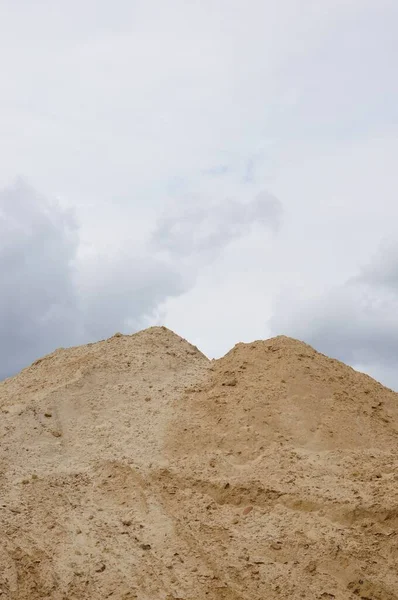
225	168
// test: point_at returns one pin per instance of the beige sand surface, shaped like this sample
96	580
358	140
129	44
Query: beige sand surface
137	468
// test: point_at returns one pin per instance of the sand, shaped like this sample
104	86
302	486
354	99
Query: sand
138	468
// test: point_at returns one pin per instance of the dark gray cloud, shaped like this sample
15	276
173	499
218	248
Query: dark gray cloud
38	299
51	297
356	322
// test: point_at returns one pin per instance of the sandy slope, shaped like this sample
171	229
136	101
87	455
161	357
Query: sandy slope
137	468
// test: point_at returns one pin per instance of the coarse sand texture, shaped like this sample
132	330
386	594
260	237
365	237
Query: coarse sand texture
136	468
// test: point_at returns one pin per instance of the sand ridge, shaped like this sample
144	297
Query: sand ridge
138	468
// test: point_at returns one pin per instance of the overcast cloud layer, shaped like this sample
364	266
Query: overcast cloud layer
226	169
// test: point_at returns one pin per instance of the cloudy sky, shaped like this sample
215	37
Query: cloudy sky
226	168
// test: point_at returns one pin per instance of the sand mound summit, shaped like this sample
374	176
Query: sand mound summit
136	468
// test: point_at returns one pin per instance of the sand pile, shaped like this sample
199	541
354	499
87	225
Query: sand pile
137	468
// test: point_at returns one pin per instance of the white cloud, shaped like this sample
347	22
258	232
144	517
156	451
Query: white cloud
96	99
